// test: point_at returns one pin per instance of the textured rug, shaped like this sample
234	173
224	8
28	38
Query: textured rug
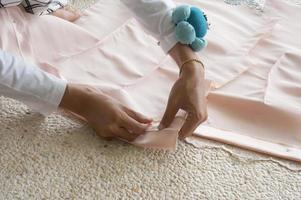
60	158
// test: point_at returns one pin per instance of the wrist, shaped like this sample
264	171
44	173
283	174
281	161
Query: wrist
181	53
186	59
192	68
74	98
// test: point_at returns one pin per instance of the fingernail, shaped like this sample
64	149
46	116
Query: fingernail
161	126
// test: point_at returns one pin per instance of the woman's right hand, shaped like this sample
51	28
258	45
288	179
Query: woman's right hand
107	116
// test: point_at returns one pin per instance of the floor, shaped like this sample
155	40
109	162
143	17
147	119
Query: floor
59	158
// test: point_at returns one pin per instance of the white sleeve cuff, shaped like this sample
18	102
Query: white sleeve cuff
156	18
29	84
168	42
48	103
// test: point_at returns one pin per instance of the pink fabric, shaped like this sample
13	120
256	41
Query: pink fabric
253	60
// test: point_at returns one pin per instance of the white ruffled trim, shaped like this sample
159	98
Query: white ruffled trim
257	4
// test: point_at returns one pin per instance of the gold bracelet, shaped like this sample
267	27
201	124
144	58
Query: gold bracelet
191	60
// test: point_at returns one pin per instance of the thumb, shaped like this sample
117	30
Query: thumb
138	116
169	115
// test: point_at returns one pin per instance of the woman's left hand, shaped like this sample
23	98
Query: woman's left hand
188	93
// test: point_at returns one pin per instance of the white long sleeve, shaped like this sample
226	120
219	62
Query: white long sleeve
27	83
155	16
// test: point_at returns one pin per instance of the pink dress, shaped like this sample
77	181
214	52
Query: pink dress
252	60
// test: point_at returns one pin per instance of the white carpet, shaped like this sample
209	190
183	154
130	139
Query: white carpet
60	158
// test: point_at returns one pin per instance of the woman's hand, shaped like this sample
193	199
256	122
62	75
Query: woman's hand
108	117
188	93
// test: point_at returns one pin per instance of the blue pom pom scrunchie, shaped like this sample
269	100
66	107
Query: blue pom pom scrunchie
191	26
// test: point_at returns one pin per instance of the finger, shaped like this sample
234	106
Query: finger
125	134
138	116
189	126
169	114
133	126
105	134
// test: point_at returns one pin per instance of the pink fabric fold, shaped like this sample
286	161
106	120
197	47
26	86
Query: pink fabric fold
253	60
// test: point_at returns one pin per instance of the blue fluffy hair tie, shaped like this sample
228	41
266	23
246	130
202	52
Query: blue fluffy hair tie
191	26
